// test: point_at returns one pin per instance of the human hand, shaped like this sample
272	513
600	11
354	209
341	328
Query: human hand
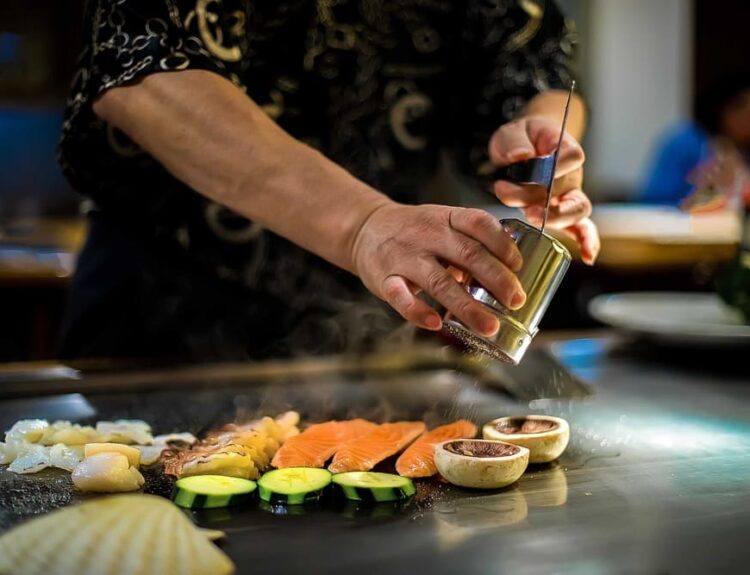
570	208
402	250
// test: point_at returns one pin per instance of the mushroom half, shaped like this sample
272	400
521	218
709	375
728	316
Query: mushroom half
480	463
546	437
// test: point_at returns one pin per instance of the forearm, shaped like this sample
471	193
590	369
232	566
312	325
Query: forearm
210	135
552	105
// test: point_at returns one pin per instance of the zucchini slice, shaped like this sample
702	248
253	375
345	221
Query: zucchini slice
211	491
293	485
371	486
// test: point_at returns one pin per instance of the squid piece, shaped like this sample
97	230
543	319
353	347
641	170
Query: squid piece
125	431
69	434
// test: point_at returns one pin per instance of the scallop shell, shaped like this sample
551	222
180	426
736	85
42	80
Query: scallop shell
141	534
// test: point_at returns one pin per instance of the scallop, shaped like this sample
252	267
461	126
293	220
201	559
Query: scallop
133	533
133	454
107	473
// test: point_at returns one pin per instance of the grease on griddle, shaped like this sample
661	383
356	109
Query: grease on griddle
481	449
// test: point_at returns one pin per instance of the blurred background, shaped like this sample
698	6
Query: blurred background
643	66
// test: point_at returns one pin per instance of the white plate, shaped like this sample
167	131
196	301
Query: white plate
695	318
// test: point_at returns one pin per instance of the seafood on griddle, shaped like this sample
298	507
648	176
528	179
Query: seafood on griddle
107	472
364	453
243	451
125	431
319	442
150	454
32	445
419	458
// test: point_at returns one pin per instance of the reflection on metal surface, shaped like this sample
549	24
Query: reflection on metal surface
545	486
459	521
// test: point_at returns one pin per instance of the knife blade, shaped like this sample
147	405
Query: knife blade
557	155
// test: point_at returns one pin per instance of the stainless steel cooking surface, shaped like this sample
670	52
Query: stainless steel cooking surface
656	479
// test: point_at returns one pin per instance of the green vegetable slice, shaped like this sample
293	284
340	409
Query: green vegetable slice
374	487
211	491
293	485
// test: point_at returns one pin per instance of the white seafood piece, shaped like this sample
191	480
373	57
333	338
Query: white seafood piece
107	473
150	453
68	433
26	430
184	437
132	453
7	453
125	431
133	533
31	459
65	456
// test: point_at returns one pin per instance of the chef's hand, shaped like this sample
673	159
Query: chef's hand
570	208
402	250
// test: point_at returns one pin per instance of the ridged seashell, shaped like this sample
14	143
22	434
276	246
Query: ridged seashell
142	534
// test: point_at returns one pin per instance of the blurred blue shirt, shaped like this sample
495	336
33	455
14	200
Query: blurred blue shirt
678	152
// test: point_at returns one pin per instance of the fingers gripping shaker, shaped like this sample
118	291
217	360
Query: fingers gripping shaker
545	262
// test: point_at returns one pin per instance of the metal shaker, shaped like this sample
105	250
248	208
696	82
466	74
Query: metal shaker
545	261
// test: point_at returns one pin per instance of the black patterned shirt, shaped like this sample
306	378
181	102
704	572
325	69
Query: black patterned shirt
379	86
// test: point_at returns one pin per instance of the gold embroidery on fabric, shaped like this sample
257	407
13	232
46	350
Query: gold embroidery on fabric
407	108
212	34
530	29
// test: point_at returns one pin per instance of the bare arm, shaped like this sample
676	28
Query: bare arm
210	135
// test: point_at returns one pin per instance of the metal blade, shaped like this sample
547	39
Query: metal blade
557	154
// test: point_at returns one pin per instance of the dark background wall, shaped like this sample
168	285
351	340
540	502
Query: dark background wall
722	41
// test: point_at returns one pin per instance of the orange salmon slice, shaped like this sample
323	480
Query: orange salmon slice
419	459
317	444
366	452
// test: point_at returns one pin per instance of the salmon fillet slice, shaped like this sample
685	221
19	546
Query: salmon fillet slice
366	452
317	444
419	458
